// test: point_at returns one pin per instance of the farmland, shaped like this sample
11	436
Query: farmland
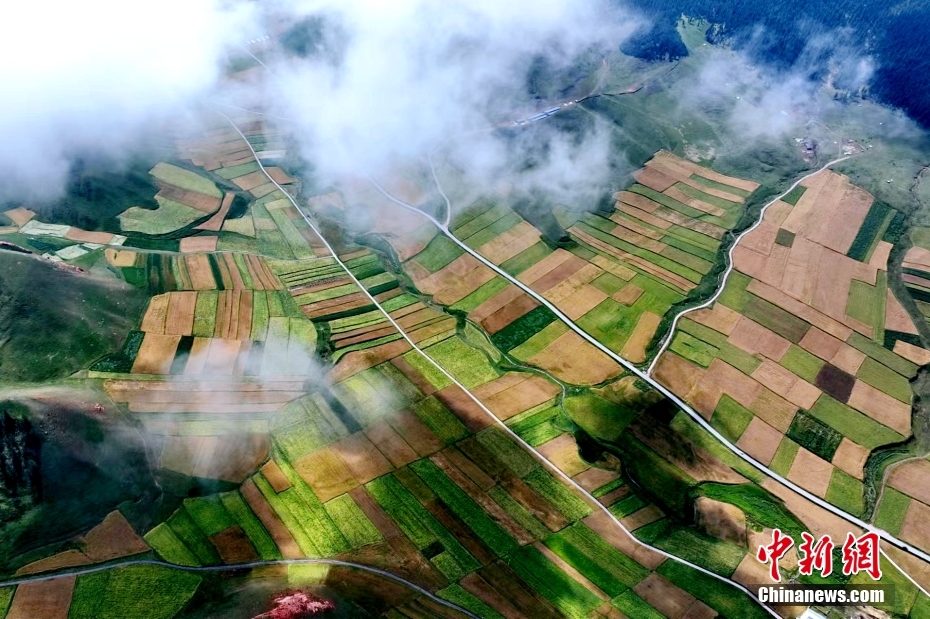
804	361
262	371
622	274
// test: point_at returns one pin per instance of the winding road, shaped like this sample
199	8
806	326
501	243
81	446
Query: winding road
593	502
646	376
238	566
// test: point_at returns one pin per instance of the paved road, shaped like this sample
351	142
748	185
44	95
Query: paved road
238	566
494	419
665	391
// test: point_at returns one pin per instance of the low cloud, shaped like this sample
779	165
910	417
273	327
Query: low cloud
97	75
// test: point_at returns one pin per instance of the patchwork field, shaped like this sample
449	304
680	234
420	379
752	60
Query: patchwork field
805	360
618	280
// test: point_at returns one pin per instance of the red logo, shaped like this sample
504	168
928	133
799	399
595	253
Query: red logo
860	554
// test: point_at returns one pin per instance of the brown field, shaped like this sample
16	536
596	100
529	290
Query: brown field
557	275
275	476
495	303
628	295
582	300
154	319
530	499
635	348
219	395
667	158
198	266
545	265
510	312
325	473
215	223
179	453
613	496
562	451
471	470
202	202
280	176
774	409
653	178
180	316
914	529
414	432
593	478
413	375
364	461
50	599
279	533
84	236
390	443
839	220
112	538
642	215
20	216
120	258
777	378
881	407
850	457
683	175
262	277
734	383
920	356
677	373
751	337
574	360
468	412
642	517
664	596
629	224
896	317
510	243
233	546
358	360
720	318
251	181
911	479
820	344
760	440
751	573
385	525
810	472
524	395
848	359
915	258
221	357
198	244
68	558
640	240
805	312
156	354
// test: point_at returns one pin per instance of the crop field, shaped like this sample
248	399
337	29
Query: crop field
624	274
805	360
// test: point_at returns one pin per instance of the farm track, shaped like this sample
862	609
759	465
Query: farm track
239	566
593	502
646	376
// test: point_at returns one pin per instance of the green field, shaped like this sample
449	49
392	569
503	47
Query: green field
168	217
731	418
261	540
352	522
599	417
149	591
467	365
853	424
564	592
891	510
185	179
601	563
